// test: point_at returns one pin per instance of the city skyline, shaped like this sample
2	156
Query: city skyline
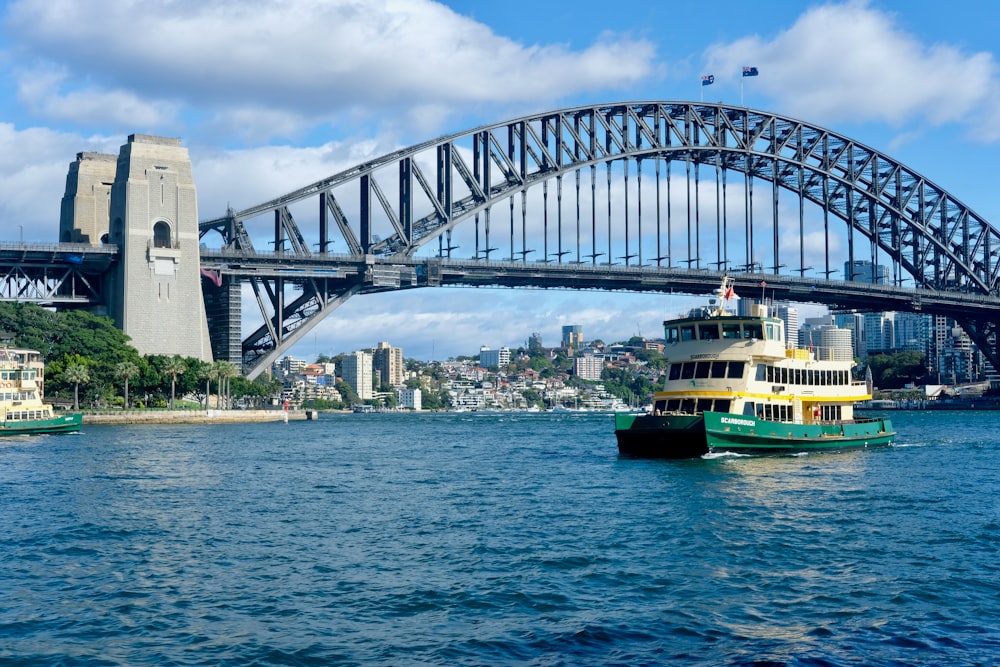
905	78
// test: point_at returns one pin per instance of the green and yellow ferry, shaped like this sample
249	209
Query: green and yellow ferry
22	411
733	385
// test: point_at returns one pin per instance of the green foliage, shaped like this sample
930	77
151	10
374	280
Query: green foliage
347	392
626	385
893	371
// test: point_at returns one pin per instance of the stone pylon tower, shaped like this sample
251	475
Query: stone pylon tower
154	294
85	210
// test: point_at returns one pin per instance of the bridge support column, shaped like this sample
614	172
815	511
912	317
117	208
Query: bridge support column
223	305
156	296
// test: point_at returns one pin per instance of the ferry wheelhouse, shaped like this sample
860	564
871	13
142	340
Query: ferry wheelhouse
22	411
734	385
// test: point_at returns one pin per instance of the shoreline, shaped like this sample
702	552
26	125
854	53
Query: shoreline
194	416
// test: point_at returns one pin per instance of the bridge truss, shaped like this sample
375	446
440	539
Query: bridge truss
661	188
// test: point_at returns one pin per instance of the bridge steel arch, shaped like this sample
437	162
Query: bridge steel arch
894	216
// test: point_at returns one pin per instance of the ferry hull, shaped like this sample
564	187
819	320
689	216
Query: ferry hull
661	437
689	436
61	424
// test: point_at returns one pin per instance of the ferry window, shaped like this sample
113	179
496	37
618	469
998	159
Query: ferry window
761	373
735	369
687	370
687	332
760	411
809	377
708	331
798	376
687	405
769	374
672	335
703	369
731	330
718	369
673	404
770	332
722	405
704	404
752	330
748	408
675	371
659	407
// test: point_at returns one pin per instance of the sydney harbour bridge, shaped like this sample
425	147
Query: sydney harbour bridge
643	196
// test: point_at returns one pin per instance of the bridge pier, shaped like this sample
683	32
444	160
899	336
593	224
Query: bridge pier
154	292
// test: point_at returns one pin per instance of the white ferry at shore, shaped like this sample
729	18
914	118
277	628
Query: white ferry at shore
733	385
22	411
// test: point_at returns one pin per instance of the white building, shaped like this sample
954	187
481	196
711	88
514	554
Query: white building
356	369
790	315
494	358
588	366
410	398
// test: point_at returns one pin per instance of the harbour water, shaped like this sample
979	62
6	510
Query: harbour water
504	539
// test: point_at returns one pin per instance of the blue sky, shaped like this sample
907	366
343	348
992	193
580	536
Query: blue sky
270	95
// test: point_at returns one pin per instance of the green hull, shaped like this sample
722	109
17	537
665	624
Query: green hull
689	436
61	424
738	433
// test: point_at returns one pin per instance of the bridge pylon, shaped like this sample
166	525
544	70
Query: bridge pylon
154	291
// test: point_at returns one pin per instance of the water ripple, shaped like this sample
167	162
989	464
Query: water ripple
458	540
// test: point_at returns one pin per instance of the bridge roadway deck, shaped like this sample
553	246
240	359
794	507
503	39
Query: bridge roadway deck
377	274
54	262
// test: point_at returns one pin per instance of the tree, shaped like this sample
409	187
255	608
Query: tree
224	371
126	370
206	372
174	367
76	374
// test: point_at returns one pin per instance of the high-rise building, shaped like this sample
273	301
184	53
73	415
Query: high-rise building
535	342
387	363
572	336
880	330
863	271
494	358
589	366
790	315
855	323
356	369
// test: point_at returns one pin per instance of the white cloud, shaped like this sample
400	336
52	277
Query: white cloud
438	323
312	60
33	166
40	90
850	62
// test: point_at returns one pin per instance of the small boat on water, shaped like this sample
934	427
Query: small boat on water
733	385
22	411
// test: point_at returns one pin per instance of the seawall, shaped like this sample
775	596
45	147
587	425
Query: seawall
193	416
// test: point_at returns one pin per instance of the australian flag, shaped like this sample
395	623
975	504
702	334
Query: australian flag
750	71
708	80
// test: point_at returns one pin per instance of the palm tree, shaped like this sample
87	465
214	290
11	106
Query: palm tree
77	374
126	370
224	370
206	373
175	366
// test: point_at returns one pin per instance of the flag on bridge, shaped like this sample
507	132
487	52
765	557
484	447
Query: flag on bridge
750	71
708	80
